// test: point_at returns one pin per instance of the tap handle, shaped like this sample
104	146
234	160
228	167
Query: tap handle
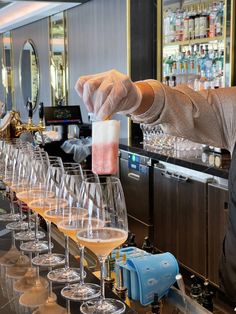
30	108
41	111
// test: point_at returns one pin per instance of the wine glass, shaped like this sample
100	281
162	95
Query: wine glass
69	184
69	226
50	201
104	200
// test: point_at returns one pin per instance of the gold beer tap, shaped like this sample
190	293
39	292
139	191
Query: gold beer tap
29	126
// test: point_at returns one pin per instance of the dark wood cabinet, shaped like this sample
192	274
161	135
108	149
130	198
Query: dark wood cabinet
165	213
180	218
192	225
217	223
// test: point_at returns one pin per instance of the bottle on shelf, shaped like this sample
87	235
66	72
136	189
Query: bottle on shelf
147	245
195	289
207	297
156	305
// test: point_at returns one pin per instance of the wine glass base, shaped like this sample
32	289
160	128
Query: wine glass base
35	246
29	235
78	292
65	275
11	217
106	306
19	225
49	260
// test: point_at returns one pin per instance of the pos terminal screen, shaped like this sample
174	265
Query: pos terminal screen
63	115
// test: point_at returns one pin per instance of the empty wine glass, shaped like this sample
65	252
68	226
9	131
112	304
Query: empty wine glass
104	201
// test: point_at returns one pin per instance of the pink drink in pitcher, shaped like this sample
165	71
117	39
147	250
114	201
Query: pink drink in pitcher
105	143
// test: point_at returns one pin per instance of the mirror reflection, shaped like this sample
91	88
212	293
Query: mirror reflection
7	78
29	73
58	62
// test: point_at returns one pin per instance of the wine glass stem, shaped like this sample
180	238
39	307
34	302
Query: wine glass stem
68	306
36	227
50	284
102	261
49	236
11	201
13	243
67	252
81	255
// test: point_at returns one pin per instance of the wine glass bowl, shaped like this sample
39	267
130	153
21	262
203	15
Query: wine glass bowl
103	198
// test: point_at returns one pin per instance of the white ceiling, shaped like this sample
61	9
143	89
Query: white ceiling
19	13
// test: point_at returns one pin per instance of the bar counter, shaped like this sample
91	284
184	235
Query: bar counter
5	244
200	160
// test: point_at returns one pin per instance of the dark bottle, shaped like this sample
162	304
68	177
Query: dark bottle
167	80
156	305
195	289
173	81
41	111
147	245
207	297
130	241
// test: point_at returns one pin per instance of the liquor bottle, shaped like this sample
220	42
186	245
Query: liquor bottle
186	25
219	19
207	297
191	23
173	81
179	25
207	64
203	23
212	20
195	289
197	23
156	305
147	245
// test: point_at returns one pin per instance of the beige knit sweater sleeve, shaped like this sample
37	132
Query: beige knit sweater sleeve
207	117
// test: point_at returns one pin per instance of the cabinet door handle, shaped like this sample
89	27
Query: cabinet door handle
175	176
133	176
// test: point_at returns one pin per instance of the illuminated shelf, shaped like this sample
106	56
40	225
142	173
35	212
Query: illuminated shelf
194	41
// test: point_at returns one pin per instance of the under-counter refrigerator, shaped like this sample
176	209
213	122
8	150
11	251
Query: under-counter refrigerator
195	43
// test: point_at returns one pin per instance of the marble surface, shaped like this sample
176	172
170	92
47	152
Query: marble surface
201	159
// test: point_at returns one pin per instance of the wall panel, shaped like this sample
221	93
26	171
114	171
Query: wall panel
97	42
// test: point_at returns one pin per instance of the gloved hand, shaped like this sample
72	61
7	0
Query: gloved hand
109	92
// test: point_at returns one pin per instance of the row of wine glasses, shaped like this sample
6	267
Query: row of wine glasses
87	208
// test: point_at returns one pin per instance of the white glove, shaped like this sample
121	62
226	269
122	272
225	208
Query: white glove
109	92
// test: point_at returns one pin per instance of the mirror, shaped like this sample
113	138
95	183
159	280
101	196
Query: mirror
29	73
58	59
7	78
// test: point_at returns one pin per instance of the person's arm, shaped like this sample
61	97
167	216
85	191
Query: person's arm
205	117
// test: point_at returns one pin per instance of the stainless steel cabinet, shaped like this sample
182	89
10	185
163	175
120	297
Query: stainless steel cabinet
135	176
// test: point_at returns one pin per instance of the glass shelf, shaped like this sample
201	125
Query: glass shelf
194	41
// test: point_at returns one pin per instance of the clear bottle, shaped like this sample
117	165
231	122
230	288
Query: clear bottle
179	26
191	23
172	23
203	23
186	25
197	23
219	19
212	20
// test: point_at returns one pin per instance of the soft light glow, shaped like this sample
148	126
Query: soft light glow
21	13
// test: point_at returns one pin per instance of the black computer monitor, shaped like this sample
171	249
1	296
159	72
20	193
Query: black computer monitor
63	115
